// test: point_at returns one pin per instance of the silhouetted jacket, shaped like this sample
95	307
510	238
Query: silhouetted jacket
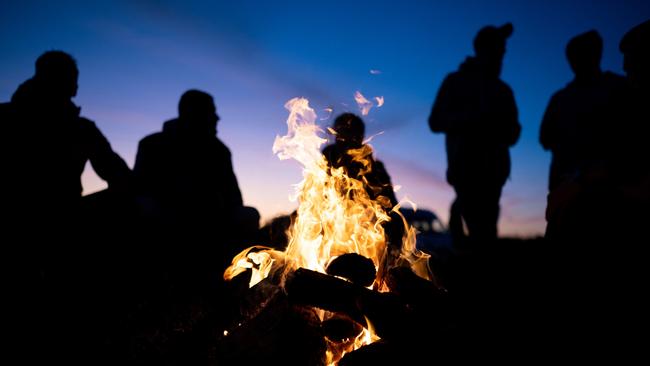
377	180
187	173
478	114
48	145
579	124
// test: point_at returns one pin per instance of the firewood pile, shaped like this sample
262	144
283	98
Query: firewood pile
280	324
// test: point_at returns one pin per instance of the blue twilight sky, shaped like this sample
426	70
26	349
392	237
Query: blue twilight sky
137	57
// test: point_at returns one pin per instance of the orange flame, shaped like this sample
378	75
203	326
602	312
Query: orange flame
335	216
363	103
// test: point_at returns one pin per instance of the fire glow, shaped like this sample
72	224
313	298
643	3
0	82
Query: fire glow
335	216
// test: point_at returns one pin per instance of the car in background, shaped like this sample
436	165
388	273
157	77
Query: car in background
432	236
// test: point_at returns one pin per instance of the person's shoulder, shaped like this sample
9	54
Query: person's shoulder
454	77
614	80
561	94
5	109
378	165
222	148
87	126
152	139
504	87
329	149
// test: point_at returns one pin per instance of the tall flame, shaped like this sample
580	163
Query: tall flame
335	215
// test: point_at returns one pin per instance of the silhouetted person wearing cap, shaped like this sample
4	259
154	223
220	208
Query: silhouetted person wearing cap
46	145
476	111
186	171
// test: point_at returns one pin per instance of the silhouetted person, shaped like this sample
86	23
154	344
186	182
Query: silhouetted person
476	111
599	126
635	149
599	216
46	145
50	143
187	173
350	152
578	120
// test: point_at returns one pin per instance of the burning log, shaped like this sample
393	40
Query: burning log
267	334
356	268
385	312
340	328
307	287
337	218
420	294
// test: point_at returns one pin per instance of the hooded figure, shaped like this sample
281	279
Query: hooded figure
476	111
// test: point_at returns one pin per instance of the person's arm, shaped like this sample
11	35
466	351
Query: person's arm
107	163
146	170
512	125
547	131
384	181
232	194
446	113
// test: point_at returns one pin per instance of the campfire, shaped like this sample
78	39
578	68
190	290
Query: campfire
340	259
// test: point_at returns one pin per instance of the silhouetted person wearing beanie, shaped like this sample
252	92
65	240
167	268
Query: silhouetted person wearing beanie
476	111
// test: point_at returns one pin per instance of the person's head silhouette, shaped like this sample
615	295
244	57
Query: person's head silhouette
349	129
57	73
490	45
584	52
197	111
635	47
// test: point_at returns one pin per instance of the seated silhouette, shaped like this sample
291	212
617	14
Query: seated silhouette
356	158
45	148
186	173
51	143
349	151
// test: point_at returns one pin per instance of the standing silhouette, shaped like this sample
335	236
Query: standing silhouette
578	117
634	147
476	111
598	214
